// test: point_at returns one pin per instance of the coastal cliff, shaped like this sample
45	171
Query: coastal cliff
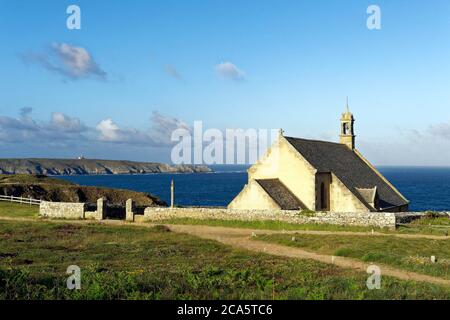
56	190
91	166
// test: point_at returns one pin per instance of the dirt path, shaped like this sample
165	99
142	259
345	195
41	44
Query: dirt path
318	232
248	230
242	238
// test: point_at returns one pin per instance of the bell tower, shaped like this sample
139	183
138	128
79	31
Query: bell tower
347	135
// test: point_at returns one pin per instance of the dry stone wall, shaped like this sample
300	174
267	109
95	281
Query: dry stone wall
93	215
65	210
377	219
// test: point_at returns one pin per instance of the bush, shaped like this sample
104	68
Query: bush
432	215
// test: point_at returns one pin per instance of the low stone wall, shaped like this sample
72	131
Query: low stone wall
376	219
408	217
65	210
70	210
75	210
93	215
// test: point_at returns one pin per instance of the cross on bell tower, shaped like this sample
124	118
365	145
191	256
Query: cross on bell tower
347	135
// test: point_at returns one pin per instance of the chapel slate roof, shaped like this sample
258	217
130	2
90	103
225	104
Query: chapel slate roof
280	194
348	167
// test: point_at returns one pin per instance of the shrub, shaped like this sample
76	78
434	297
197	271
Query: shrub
432	215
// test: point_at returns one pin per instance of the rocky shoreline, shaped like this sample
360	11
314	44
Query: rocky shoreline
56	167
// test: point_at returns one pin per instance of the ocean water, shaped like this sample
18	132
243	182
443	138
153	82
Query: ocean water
427	188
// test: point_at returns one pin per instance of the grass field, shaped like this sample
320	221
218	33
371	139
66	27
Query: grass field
433	226
152	263
133	262
265	225
441	221
408	254
11	209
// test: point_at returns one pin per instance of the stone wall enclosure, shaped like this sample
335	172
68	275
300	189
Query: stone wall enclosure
71	210
376	219
63	210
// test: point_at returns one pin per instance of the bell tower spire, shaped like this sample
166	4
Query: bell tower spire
347	135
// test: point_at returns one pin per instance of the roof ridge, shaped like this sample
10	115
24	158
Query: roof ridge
313	140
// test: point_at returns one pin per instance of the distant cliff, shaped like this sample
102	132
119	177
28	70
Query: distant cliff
90	166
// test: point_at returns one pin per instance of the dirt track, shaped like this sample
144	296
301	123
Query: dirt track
241	238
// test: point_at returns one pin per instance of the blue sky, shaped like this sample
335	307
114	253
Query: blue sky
153	66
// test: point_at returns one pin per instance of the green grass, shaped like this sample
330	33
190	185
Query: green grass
268	225
408	254
428	226
129	262
11	209
433	226
438	221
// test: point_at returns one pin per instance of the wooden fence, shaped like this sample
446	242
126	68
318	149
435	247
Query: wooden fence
29	201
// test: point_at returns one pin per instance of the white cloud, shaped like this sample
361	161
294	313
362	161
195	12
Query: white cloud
64	136
228	70
163	126
64	129
67	60
108	130
440	130
158	134
25	128
63	122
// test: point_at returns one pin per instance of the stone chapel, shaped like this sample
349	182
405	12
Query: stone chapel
301	174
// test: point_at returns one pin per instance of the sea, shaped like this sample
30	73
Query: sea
427	188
